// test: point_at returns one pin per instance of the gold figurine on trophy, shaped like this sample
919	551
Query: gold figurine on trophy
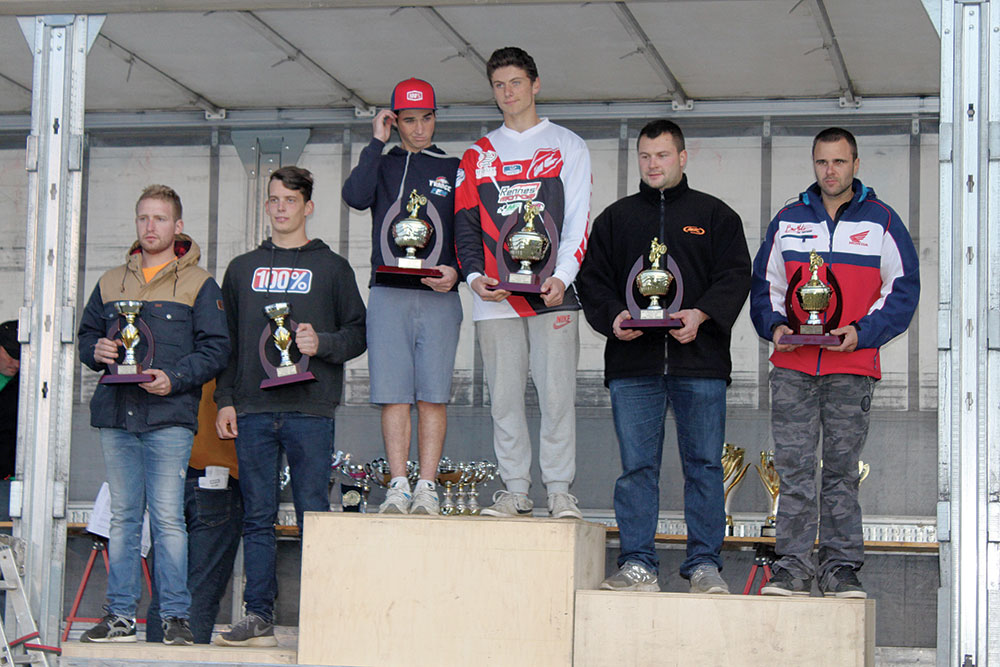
654	282
733	471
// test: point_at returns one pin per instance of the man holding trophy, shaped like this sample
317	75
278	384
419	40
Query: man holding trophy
295	317
414	312
684	363
146	404
834	279
522	208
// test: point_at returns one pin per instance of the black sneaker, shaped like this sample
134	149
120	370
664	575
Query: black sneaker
843	583
112	628
251	631
783	583
176	631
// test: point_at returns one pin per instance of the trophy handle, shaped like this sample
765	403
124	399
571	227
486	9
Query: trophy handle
790	313
503	271
633	307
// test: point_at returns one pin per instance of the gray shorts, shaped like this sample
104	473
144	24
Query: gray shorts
412	338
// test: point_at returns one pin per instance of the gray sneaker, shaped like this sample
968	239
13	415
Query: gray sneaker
425	501
112	628
251	631
396	501
706	579
633	576
563	506
507	504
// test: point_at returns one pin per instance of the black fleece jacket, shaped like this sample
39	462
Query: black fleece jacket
705	237
319	285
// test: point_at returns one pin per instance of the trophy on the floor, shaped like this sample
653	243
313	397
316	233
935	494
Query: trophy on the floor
448	474
535	250
863	470
481	473
653	283
772	484
286	372
129	371
354	495
733	471
409	234
813	296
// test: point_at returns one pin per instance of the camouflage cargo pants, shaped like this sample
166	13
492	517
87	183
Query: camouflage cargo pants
800	405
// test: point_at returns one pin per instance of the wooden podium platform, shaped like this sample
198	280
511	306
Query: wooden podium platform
680	629
408	590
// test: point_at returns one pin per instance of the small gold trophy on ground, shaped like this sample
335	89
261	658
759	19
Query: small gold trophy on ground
814	298
733	471
772	484
130	370
412	233
527	245
286	372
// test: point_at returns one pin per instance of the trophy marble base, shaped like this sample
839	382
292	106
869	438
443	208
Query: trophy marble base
272	383
662	323
614	628
810	339
517	288
401	276
768	531
135	376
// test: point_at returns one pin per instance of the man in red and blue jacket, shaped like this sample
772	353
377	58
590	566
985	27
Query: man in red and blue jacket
870	254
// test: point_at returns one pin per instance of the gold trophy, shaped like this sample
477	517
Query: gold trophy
527	245
412	233
654	282
287	371
814	297
772	484
130	370
733	471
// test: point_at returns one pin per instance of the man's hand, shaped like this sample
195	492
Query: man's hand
106	350
780	331
306	339
160	384
624	334
445	282
479	287
850	342
225	423
692	319
382	125
553	290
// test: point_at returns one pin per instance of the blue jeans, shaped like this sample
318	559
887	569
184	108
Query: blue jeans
640	407
308	444
214	525
147	469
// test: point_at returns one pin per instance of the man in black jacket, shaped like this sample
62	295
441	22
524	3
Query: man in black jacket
327	317
688	368
10	364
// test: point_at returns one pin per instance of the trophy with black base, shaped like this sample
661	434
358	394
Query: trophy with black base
654	283
813	297
409	234
129	371
286	372
534	250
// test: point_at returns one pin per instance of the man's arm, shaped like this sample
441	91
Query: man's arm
225	384
576	178
602	298
768	286
348	341
359	188
211	342
468	227
92	329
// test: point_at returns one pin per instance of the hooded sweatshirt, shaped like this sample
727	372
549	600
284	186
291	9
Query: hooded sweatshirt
320	287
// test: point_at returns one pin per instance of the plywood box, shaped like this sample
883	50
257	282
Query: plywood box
77	653
408	590
667	629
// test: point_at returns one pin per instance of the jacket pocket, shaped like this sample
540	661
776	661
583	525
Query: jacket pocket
171	326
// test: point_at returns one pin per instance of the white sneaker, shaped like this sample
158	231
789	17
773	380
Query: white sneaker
425	501
563	506
396	501
507	504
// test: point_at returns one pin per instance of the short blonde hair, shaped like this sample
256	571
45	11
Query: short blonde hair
164	193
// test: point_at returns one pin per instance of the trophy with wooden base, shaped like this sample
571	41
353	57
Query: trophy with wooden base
535	251
129	371
733	471
409	234
653	283
286	372
813	297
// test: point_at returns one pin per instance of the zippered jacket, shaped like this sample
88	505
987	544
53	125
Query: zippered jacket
704	237
501	173
184	312
383	183
873	261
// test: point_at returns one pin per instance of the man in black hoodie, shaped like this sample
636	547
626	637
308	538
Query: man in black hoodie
328	323
690	372
412	333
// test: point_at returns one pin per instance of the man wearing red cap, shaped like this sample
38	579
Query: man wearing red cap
412	328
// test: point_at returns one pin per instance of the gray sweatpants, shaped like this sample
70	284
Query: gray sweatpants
800	405
550	345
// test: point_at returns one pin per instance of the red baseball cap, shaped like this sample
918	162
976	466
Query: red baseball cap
413	94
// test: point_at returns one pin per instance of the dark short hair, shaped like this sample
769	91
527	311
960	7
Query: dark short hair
8	339
294	178
832	134
163	193
655	128
511	56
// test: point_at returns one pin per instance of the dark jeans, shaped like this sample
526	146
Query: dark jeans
308	444
214	520
639	406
